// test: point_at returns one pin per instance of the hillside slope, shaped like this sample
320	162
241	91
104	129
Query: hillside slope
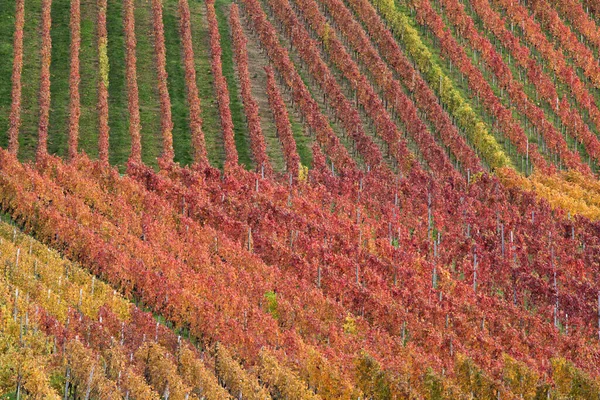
300	199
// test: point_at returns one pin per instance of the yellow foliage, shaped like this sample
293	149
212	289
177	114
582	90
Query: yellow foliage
371	379
561	191
302	173
326	35
445	281
441	388
103	60
572	383
198	376
238	380
26	356
284	380
87	370
161	371
520	379
36	383
54	282
350	325
471	379
117	369
324	379
137	386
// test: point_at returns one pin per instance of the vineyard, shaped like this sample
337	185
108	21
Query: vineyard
299	199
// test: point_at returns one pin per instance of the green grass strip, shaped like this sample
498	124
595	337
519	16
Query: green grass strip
182	139
303	141
7	28
240	128
59	78
205	81
30	79
146	79
118	119
88	87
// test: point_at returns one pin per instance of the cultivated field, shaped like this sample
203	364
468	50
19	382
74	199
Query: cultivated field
299	199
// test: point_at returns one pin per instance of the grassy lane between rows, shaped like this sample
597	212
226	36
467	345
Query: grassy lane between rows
146	79
118	120
242	141
182	139
30	79
303	140
7	28
258	81
88	87
205	80
59	78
